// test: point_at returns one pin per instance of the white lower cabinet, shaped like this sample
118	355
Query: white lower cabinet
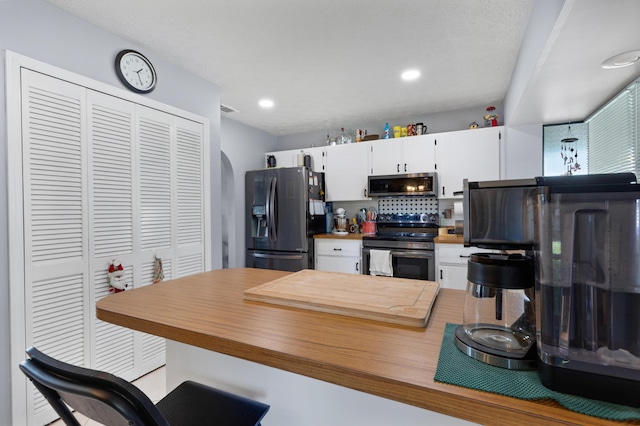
452	262
338	255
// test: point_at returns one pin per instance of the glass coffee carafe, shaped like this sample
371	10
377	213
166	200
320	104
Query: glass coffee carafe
499	311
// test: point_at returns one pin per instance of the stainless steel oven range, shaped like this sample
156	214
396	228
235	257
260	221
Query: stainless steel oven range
409	238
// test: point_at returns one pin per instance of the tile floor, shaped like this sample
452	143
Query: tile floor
152	384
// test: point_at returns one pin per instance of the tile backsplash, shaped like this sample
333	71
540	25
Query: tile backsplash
408	205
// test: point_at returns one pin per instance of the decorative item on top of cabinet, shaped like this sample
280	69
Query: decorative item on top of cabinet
289	158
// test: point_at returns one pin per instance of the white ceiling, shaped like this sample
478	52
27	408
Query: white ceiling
330	62
567	82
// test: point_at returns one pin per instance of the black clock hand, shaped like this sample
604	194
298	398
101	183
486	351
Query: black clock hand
138	72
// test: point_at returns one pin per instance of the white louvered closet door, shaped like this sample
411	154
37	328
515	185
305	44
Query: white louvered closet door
57	301
172	172
104	179
111	136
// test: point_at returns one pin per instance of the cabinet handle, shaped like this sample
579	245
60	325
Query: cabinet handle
443	191
398	167
464	257
365	192
358	266
440	273
405	167
339	249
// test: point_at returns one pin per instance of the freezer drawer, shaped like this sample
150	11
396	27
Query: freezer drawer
281	261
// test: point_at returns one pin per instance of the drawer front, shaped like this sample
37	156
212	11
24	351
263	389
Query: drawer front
336	247
456	254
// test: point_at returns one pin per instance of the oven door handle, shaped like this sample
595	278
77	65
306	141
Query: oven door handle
416	254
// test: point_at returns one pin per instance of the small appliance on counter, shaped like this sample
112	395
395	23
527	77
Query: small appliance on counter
340	216
583	234
588	286
499	309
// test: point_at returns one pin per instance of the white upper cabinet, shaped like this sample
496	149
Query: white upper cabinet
286	158
414	154
289	158
467	154
419	154
346	172
454	156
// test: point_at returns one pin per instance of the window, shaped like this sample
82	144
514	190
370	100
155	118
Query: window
607	141
613	134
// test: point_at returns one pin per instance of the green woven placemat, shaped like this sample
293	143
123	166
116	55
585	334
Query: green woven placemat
457	368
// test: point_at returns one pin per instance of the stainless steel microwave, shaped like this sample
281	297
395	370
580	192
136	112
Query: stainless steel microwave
412	184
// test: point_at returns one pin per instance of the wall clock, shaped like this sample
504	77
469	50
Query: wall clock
135	71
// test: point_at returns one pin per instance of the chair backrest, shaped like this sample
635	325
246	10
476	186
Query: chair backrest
100	396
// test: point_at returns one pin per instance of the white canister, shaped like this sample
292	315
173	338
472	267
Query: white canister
301	159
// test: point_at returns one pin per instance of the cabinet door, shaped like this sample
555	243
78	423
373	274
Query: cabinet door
338	255
468	154
349	265
419	154
415	154
346	168
386	157
452	264
453	276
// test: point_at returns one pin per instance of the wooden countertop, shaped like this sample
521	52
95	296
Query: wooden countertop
396	362
341	237
449	239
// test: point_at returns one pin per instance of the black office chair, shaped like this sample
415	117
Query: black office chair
111	400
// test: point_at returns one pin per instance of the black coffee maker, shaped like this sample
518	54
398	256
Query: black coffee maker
583	233
587	261
499	308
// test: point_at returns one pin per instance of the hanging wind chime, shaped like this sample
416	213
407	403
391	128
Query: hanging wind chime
569	153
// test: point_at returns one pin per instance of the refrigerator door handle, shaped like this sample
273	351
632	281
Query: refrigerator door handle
278	256
268	209
273	231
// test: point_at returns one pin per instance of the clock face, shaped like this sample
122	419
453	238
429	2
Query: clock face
135	71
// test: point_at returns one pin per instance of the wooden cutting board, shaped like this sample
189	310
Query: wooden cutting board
393	300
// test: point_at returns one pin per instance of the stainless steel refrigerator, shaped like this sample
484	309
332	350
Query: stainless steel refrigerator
284	209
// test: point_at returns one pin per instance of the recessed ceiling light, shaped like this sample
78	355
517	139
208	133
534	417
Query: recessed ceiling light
266	103
622	60
410	75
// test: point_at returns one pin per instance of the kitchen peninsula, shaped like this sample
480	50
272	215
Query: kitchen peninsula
313	368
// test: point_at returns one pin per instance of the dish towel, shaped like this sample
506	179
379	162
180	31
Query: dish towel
380	263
